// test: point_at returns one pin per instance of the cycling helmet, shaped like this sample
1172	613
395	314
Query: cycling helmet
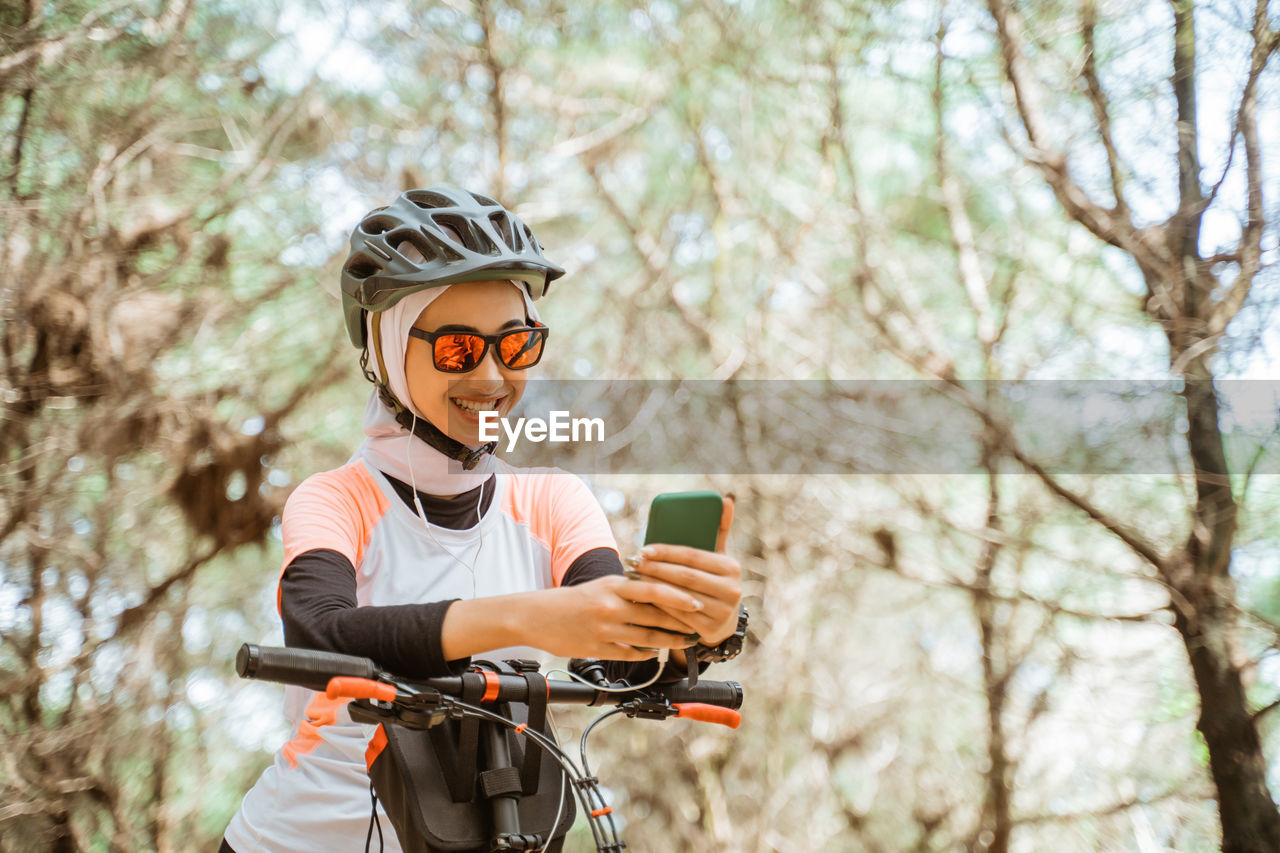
461	236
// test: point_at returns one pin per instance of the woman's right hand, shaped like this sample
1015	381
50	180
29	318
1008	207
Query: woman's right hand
610	617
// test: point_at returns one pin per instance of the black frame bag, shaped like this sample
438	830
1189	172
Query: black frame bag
437	790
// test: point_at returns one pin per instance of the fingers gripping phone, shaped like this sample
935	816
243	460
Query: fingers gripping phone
683	518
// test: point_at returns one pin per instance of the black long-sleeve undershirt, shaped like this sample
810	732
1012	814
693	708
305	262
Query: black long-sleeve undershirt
319	608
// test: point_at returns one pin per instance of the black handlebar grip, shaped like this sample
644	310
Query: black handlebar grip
726	694
302	667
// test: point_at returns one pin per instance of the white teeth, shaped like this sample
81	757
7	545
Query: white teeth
476	408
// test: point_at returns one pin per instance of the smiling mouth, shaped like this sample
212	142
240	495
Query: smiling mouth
472	408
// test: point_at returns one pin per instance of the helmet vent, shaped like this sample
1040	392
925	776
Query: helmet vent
485	200
439	248
428	200
502	225
361	267
469	235
410	240
375	225
484	243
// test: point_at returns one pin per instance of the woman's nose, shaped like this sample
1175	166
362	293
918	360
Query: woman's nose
488	369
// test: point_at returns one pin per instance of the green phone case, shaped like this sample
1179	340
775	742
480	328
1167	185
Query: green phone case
685	518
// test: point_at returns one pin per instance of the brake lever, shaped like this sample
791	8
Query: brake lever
411	707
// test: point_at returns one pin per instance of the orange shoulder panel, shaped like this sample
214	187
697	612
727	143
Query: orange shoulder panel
334	509
560	512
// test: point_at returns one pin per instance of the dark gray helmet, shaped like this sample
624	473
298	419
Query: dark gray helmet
462	236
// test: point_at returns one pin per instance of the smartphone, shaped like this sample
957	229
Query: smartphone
685	518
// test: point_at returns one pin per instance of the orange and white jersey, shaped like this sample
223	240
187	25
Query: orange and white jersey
315	795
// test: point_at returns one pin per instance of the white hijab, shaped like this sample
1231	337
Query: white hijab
388	446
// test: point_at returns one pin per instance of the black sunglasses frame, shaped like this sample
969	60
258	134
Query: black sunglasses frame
489	340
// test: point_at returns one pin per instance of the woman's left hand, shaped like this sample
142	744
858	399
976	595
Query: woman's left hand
714	579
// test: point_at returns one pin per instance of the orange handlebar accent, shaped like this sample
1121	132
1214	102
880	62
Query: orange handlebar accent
491	685
709	713
344	687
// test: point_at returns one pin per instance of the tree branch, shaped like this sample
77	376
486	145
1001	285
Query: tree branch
496	101
960	227
1190	196
1136	543
1101	107
1258	456
1017	596
1249	249
1110	225
19	141
1265	709
995	674
646	247
1116	808
52	48
577	146
866	284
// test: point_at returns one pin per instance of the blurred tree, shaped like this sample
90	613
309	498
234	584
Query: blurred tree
144	393
1092	111
1197	283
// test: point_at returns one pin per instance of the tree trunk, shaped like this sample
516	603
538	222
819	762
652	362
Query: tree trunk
1207	621
1250	823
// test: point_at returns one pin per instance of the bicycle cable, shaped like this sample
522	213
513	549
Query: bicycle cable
551	726
663	656
586	787
373	821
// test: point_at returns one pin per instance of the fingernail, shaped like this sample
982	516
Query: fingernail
632	561
632	574
730	496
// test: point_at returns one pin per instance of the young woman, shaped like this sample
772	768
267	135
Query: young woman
424	549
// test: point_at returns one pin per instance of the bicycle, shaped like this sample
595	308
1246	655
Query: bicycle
428	705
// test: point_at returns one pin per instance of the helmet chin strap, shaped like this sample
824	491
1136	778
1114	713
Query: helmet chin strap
434	436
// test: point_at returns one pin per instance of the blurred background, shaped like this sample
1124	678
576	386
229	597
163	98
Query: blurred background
940	191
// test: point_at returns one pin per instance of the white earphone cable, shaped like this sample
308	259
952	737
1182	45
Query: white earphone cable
417	504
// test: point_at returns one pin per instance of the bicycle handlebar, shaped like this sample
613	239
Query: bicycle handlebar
302	667
382	697
314	670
